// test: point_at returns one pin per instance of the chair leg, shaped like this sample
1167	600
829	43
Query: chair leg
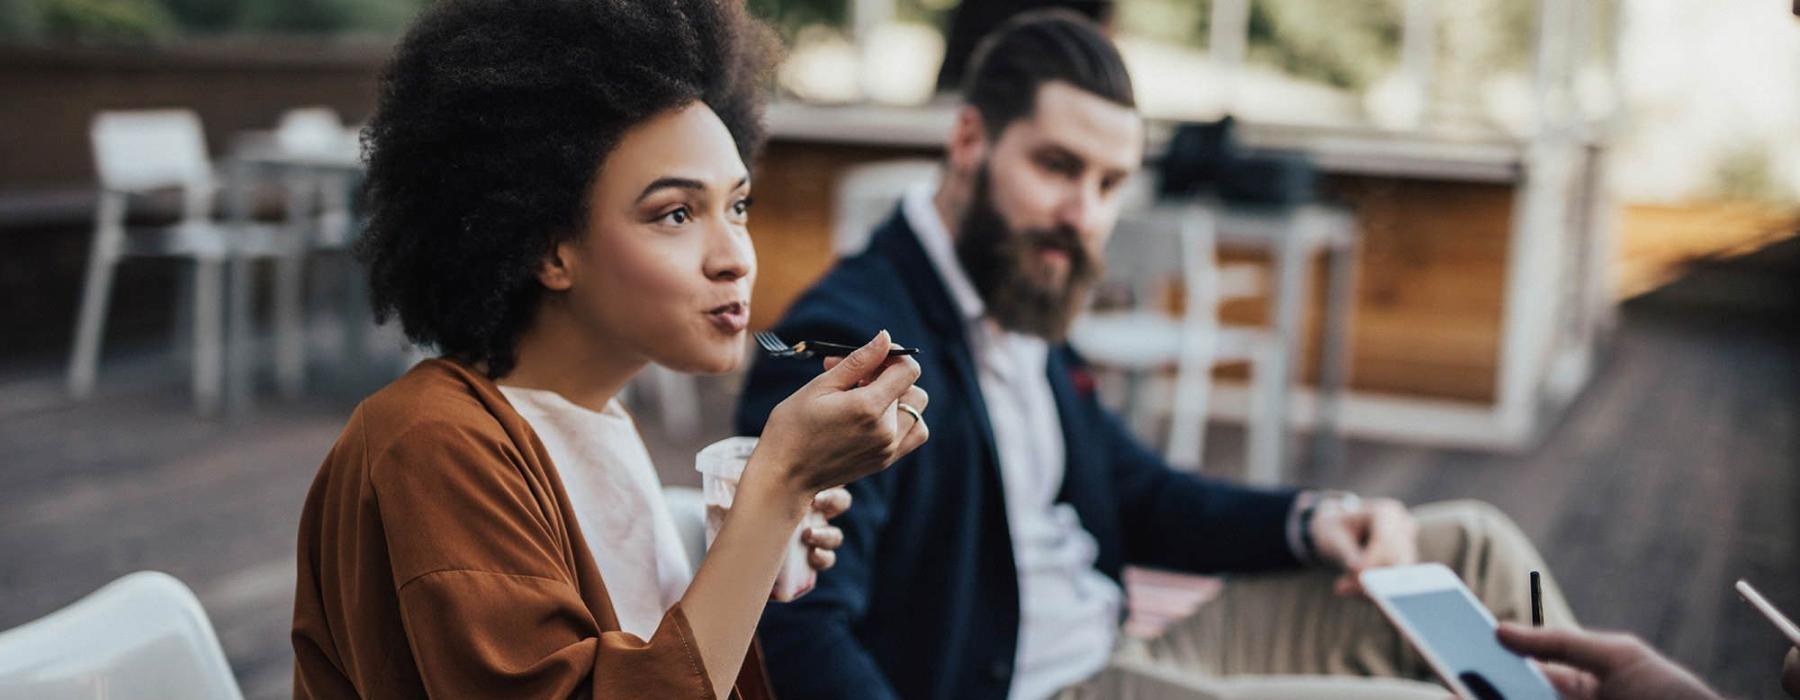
1265	429
209	336
96	292
1187	416
290	331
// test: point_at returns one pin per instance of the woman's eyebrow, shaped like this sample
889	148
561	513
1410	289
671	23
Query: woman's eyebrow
660	183
685	183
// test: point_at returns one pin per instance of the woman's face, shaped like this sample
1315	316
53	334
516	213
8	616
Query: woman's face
665	265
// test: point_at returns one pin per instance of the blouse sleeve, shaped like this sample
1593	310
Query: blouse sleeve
486	594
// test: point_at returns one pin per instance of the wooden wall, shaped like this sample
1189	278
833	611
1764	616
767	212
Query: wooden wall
1430	281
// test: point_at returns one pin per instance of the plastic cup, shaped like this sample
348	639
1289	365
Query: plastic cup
721	465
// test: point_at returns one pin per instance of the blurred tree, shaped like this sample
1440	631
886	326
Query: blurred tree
206	16
20	20
105	21
788	17
1346	43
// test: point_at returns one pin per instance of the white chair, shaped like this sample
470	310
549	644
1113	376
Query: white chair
688	507
319	197
1145	339
137	153
866	195
142	636
314	142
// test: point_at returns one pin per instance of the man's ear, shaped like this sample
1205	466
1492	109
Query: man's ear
554	269
968	144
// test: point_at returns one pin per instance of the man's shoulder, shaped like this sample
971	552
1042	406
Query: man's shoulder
856	290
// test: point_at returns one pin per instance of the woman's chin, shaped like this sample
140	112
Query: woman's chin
717	360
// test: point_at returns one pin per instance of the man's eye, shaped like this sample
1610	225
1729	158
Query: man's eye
679	216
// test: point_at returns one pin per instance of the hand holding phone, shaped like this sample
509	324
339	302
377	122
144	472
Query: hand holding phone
1440	617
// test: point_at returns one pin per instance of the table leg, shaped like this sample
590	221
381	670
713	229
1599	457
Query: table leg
1290	296
238	295
1334	360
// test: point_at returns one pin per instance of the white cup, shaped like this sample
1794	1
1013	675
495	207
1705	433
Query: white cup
721	465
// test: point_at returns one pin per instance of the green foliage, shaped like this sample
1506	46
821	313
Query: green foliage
106	21
1747	172
130	21
20	20
788	17
1347	43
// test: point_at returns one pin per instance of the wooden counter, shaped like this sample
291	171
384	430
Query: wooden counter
1439	219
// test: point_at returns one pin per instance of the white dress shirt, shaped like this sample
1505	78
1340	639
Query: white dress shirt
1068	609
617	498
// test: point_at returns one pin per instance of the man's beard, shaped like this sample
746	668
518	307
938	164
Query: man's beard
1020	291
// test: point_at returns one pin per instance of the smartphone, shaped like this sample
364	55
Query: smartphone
1768	610
1440	617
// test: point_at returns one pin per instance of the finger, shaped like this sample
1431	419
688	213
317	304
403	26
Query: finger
832	502
823	537
832	361
916	398
1393	540
1588	651
1570	683
912	439
857	365
821	559
1347	585
894	380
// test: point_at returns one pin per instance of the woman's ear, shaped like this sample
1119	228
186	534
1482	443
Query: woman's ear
555	271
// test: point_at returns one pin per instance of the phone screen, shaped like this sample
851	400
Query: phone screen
1463	640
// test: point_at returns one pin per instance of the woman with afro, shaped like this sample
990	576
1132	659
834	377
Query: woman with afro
558	196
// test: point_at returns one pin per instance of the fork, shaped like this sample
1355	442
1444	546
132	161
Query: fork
773	345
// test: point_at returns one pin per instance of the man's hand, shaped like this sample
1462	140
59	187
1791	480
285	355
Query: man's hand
1603	666
1375	533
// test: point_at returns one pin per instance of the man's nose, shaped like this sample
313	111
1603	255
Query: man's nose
1080	208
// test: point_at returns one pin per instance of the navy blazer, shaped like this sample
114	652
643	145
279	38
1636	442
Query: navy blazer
924	600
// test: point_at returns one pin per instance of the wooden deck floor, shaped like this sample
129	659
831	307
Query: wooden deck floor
1675	473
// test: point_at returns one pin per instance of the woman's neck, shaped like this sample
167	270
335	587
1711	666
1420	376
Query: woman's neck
554	354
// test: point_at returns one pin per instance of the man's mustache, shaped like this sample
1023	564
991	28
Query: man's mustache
1060	238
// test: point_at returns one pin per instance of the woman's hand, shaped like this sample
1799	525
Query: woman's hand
824	540
1602	666
846	423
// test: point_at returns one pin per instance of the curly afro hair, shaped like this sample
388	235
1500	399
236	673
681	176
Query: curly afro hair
493	119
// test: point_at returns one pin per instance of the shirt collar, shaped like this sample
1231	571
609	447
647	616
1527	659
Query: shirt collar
934	236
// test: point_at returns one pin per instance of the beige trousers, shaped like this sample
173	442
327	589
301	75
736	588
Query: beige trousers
1288	637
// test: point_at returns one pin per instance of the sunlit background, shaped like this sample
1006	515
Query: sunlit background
1549	262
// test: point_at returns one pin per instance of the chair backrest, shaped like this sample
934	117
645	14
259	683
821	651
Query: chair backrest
151	149
142	636
687	506
866	195
312	130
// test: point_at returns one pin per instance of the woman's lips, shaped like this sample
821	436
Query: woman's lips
730	318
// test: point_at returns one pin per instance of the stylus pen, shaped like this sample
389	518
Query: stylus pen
1537	601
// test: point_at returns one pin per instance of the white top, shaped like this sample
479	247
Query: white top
1068	610
618	503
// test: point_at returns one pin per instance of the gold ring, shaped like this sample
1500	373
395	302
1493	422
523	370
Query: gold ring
909	410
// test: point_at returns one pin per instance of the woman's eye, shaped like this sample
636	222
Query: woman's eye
679	216
741	207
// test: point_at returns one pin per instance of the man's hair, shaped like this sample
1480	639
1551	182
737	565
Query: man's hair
1040	47
494	117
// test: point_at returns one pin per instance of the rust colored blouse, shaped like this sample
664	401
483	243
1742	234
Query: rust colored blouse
439	556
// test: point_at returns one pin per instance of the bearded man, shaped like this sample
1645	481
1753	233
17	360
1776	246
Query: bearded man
987	564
